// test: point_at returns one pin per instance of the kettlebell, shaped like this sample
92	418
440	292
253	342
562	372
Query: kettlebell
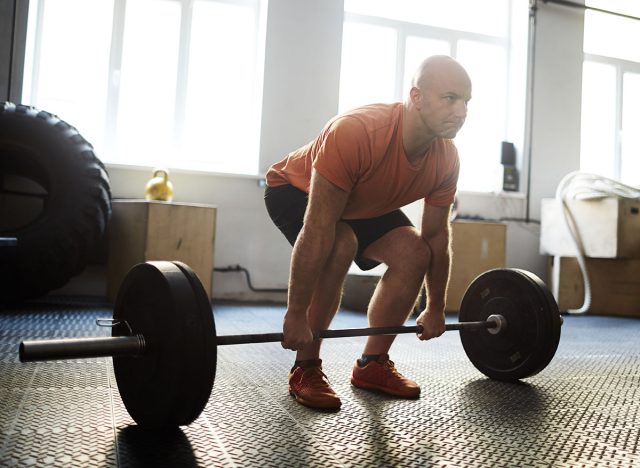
159	186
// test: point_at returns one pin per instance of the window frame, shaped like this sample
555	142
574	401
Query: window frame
31	79
405	29
515	93
621	67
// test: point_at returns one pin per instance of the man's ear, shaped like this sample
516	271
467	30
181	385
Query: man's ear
416	96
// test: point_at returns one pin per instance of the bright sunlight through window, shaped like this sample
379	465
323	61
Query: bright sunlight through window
384	42
174	83
610	143
598	112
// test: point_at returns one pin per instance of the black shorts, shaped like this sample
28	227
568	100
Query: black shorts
286	206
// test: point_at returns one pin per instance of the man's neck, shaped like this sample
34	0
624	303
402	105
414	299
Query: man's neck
415	138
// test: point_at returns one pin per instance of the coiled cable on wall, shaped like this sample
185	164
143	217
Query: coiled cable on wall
585	186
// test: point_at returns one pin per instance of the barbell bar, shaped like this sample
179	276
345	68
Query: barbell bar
79	348
164	343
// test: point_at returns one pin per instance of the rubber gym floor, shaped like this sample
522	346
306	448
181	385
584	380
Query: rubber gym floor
582	410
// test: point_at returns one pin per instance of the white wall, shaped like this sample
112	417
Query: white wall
302	65
302	74
557	96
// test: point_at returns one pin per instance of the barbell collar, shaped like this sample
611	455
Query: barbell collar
78	348
500	321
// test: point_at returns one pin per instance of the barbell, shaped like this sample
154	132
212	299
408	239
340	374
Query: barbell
164	343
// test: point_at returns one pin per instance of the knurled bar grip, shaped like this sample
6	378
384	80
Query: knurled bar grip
78	348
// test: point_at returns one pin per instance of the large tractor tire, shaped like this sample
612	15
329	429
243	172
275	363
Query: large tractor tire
54	199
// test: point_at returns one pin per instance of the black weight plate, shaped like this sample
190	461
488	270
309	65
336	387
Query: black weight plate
531	337
209	358
551	312
163	388
556	319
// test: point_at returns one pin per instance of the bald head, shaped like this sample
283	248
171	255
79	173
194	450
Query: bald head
437	101
436	68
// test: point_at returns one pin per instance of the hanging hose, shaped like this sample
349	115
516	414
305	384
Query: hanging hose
585	186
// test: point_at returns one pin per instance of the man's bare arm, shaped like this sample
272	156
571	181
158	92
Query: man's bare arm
436	229
310	252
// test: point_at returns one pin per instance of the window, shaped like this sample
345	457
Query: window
610	142
384	42
630	152
598	114
175	83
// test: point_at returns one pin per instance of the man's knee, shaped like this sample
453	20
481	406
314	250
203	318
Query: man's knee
345	245
402	248
415	254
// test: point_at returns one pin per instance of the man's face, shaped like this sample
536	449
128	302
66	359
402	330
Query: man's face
442	104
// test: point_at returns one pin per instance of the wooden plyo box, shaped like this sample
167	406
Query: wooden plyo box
609	227
141	231
615	284
477	247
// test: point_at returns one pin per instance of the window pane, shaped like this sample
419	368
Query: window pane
598	128
463	15
70	79
222	111
479	141
611	36
416	50
630	167
169	79
148	82
368	70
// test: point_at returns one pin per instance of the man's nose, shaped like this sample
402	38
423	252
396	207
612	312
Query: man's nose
461	109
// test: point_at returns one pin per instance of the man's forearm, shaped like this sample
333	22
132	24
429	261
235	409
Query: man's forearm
310	253
437	277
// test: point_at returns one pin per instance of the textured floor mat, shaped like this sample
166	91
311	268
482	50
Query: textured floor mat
582	410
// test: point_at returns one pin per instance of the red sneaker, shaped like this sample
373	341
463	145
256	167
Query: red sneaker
310	386
382	376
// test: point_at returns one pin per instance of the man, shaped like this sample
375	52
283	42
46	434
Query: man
338	199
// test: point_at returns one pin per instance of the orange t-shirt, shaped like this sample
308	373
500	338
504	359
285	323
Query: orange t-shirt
362	152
